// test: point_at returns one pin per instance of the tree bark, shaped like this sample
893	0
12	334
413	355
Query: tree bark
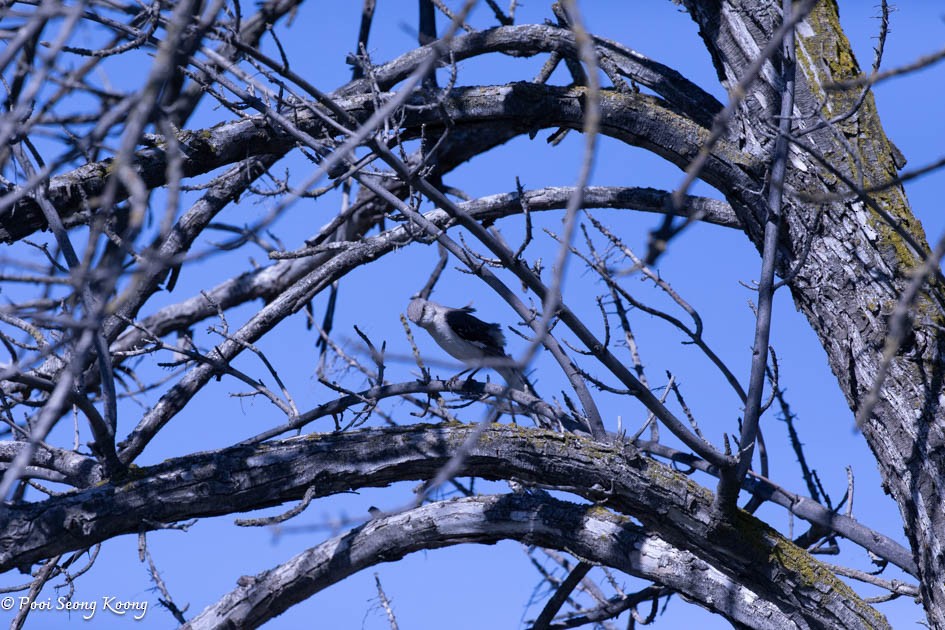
859	261
849	256
589	532
237	479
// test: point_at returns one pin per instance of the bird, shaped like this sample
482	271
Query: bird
467	338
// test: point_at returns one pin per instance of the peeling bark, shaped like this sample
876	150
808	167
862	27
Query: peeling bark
590	532
859	262
246	478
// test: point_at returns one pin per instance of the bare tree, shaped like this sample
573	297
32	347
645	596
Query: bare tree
150	149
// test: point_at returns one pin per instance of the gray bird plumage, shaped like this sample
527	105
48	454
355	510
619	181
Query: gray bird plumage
467	338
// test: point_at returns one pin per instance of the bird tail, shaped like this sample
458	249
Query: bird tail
515	379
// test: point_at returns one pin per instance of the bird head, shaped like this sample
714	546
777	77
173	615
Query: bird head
420	312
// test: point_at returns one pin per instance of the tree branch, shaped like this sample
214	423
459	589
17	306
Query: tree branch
590	532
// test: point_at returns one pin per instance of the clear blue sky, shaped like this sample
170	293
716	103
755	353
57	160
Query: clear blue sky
473	586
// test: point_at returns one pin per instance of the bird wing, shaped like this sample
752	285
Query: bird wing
487	336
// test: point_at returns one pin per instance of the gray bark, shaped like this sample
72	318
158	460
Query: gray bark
244	478
590	532
859	262
849	261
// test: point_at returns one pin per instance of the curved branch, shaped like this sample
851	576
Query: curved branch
533	39
637	119
589	532
250	477
267	282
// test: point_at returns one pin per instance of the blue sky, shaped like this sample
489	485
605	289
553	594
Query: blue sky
475	586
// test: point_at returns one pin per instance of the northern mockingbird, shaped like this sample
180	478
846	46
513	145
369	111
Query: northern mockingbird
467	338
